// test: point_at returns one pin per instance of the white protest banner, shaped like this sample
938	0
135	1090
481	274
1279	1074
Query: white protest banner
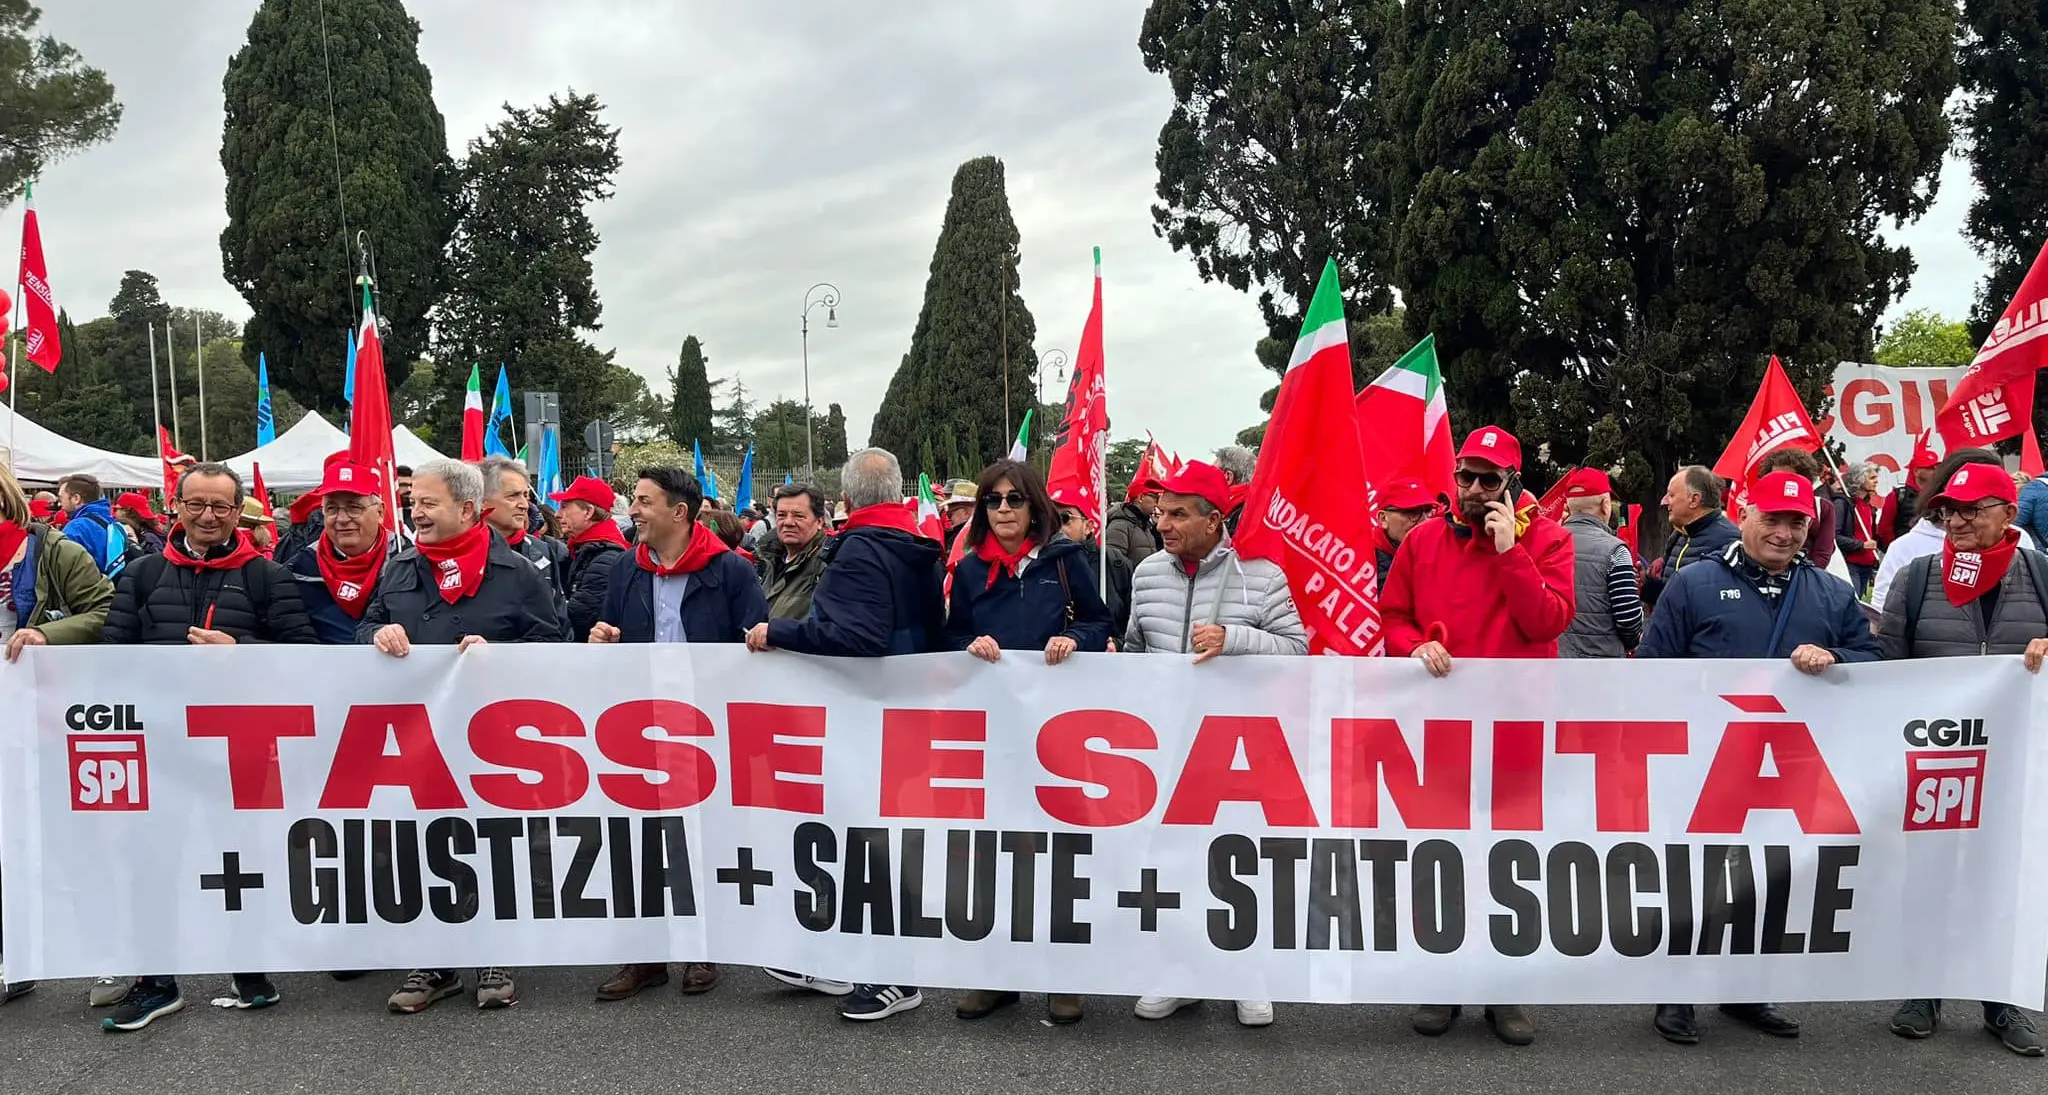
1879	411
1311	829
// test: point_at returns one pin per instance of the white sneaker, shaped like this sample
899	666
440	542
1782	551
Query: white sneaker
814	984
1255	1013
1159	1007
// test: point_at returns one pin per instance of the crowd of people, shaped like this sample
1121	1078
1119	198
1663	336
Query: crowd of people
1480	573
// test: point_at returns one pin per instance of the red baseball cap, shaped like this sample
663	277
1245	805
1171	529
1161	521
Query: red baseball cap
1587	483
342	477
1784	492
1199	480
597	492
1976	482
136	501
1406	494
1494	445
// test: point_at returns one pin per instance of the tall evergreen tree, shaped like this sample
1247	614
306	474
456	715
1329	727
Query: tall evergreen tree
520	288
52	103
831	440
2005	73
973	317
285	246
689	402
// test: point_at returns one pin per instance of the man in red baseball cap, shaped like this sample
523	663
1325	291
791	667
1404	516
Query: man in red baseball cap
337	573
595	545
1490	579
1608	618
1403	504
1759	598
1902	506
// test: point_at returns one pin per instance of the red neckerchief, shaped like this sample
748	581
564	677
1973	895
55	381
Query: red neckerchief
349	581
12	536
604	532
1001	562
517	538
178	553
1965	575
704	546
459	561
885	515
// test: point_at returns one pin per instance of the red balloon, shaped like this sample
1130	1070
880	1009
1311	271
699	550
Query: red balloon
3	382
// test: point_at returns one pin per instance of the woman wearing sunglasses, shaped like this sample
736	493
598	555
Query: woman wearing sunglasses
1022	585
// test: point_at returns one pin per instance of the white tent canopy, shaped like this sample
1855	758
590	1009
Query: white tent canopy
294	461
39	455
409	450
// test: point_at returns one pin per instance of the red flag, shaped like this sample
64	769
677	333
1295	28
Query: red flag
1987	405
1776	420
1304	511
1148	468
39	336
1551	505
172	460
369	431
1077	465
256	488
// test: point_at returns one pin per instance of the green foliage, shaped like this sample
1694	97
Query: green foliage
51	103
520	289
632	459
779	440
689	403
1921	337
1120	464
641	415
285	247
950	389
417	402
732	425
831	438
2006	121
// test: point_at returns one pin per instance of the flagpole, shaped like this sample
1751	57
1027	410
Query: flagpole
14	372
199	349
156	409
171	366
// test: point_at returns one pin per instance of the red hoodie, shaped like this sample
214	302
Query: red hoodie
1450	585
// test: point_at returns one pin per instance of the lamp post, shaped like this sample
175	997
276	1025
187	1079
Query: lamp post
1058	360
812	299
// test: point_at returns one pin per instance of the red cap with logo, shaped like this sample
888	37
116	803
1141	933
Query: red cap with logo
137	502
1587	483
1782	492
1406	494
1977	482
1494	445
597	492
342	477
1199	480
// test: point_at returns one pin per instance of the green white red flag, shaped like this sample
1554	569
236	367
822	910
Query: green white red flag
39	303
473	416
925	507
1404	422
1303	511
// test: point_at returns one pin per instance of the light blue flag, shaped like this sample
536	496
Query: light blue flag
551	460
788	479
743	494
501	411
266	422
706	482
348	383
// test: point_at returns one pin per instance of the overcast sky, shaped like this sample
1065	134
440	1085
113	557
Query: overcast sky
766	147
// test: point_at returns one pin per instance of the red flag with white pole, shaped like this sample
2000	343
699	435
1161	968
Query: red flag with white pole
39	332
1994	399
369	435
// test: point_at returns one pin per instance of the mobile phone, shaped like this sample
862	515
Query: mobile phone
1512	494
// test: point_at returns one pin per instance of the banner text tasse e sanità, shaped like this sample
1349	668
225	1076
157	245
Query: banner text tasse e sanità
1313	829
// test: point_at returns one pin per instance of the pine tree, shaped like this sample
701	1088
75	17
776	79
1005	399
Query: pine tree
973	319
831	441
285	246
53	103
689	404
732	426
2006	120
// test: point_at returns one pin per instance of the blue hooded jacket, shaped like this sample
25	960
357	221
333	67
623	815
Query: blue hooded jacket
88	529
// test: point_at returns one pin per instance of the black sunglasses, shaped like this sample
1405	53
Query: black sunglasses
1015	499
1487	480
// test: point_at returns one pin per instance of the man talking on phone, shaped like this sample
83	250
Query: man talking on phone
1492	578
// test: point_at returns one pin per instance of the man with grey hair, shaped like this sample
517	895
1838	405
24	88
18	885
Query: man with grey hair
458	585
1699	528
1608	617
1238	464
508	509
883	592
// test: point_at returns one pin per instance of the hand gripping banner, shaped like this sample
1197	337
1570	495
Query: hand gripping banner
1307	829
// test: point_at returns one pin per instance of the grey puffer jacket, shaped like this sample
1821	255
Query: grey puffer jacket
1946	631
1248	597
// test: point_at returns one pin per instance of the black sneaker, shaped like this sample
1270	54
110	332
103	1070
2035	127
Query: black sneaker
15	990
254	990
870	1002
2014	1027
1917	1018
150	1000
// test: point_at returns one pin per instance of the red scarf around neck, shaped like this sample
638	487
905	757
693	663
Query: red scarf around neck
12	536
517	538
604	532
704	546
178	553
459	561
350	581
1966	575
1002	562
885	515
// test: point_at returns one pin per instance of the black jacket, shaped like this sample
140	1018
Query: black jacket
1056	596
156	603
551	557
1706	538
330	623
882	593
513	605
590	570
720	602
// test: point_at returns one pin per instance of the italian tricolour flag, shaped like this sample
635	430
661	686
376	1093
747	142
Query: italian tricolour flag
1404	424
473	417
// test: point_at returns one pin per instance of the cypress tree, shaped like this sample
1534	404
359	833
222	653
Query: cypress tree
973	310
689	407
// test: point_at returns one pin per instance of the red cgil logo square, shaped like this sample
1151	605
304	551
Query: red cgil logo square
1944	790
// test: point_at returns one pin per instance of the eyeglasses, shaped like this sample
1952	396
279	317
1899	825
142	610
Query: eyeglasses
1487	480
1014	499
219	509
349	509
1945	514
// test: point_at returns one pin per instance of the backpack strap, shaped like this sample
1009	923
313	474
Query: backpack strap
1919	575
1060	564
2037	573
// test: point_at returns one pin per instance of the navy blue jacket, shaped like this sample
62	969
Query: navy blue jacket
515	603
1710	611
335	627
1026	613
1706	538
590	567
720	602
883	593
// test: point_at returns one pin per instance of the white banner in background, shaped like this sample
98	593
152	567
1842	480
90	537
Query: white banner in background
1881	411
1311	829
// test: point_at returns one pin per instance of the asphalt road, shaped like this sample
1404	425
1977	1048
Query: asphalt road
752	1035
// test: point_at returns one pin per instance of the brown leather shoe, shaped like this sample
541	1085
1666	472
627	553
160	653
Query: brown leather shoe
1434	1019
1063	1009
1512	1024
699	977
632	979
982	1003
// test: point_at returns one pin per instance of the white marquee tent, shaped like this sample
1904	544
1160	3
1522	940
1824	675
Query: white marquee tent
293	462
42	456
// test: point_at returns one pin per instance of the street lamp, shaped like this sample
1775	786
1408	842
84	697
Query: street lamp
813	299
1058	360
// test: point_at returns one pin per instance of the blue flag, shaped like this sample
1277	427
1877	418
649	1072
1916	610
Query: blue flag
348	383
501	411
550	461
266	423
706	481
743	494
788	479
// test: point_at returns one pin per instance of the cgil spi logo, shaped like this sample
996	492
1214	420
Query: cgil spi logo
109	761
1945	761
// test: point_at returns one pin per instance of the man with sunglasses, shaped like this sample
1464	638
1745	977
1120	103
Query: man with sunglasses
1403	504
1492	578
